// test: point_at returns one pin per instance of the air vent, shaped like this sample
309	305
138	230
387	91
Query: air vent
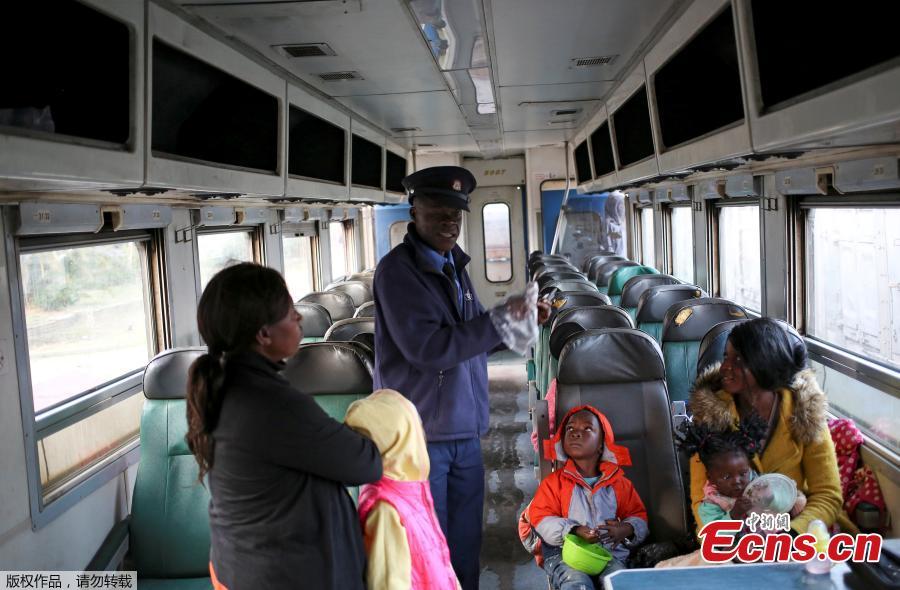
337	76
404	129
564	112
560	121
592	62
421	145
307	50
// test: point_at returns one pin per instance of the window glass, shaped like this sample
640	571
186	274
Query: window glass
398	232
299	265
68	452
88	319
875	412
368	227
739	272
338	243
220	250
683	244
497	239
350	246
648	256
853	280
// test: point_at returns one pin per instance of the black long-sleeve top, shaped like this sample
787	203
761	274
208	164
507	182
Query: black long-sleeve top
279	514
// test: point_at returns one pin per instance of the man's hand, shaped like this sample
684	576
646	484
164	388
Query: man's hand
589	535
741	507
614	531
543	312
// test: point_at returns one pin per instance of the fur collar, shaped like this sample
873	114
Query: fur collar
711	405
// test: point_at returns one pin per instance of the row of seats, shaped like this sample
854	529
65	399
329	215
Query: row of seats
166	538
344	310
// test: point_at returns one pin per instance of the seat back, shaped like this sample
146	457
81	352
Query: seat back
655	302
578	319
353	329
685	325
316	320
545	268
620	372
359	291
599	261
336	374
567	286
589	261
620	277
366	310
605	272
339	305
635	287
169	530
367	278
563	275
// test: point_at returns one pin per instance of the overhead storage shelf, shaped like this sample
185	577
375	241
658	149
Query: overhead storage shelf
695	77
72	118
395	170
318	148
216	116
807	91
366	164
631	128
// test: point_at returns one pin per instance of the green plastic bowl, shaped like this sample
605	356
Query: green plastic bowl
589	558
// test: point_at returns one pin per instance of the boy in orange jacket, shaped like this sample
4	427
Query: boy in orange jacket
589	497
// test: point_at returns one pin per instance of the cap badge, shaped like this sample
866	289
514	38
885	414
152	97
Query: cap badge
457	185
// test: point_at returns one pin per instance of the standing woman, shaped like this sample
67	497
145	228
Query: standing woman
764	373
277	463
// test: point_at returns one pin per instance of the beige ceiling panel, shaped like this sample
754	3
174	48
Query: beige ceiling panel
536	40
525	108
433	113
518	140
376	38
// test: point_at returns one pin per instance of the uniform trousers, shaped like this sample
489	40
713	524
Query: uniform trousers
457	485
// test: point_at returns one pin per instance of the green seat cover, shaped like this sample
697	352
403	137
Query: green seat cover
620	277
654	329
308	339
681	368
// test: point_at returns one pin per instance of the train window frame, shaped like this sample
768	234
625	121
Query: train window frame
715	231
640	234
670	239
351	246
855	365
511	276
46	504
291	231
256	243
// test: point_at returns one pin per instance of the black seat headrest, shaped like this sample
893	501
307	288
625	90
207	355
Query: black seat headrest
577	319
687	321
542	269
605	271
598	261
549	277
712	346
636	285
586	265
656	301
572	286
569	299
339	305
359	291
610	355
366	310
166	375
316	319
332	368
366	278
345	330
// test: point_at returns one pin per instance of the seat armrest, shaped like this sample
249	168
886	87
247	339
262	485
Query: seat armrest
541	419
112	552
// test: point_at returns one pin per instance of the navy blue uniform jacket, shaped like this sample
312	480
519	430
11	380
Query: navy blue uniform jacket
426	347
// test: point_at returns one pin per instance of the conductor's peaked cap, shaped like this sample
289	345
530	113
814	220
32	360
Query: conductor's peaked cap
448	185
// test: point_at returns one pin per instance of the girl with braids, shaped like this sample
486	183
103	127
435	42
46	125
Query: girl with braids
276	463
764	373
728	457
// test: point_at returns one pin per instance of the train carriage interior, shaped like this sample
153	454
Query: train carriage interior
664	170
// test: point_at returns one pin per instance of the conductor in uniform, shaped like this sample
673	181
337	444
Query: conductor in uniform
432	338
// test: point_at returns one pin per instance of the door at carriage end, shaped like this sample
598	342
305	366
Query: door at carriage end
496	243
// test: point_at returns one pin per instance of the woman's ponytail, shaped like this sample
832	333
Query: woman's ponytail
204	403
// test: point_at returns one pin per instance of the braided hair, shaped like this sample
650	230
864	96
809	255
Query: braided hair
709	443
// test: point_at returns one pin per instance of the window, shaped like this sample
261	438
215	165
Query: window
853	280
497	242
682	243
71	297
89	315
398	232
300	264
368	233
222	249
337	239
739	254
648	257
350	246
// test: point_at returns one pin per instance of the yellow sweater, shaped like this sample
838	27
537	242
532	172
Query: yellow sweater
800	445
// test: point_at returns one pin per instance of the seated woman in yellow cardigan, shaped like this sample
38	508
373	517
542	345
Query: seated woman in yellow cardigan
764	373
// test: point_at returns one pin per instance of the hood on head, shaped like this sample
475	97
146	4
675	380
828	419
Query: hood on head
394	425
612	453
